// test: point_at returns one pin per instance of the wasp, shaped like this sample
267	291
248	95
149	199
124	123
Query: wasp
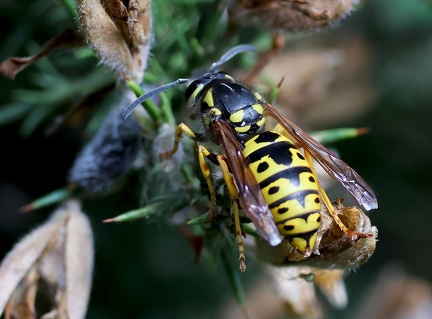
264	170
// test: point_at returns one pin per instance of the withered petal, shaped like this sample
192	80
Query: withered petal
67	39
22	258
79	261
60	252
289	15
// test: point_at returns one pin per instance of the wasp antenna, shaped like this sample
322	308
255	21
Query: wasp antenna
148	95
231	53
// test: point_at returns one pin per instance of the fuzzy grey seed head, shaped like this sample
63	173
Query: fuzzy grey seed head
108	155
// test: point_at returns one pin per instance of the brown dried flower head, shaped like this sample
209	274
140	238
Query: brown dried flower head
294	275
333	249
289	15
119	32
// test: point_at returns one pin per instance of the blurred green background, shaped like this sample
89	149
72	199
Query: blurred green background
145	269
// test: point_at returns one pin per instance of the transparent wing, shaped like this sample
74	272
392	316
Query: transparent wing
251	197
333	165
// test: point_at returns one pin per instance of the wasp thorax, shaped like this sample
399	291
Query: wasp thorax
204	83
240	107
217	95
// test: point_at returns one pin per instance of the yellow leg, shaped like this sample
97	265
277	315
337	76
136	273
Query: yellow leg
202	153
234	197
182	129
353	234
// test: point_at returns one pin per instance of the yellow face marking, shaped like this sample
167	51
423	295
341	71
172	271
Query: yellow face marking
258	108
195	93
243	129
209	98
237	117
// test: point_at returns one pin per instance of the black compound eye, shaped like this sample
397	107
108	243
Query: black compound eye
192	89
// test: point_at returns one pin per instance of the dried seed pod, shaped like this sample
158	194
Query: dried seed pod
333	248
297	294
54	261
330	282
119	32
334	254
289	15
294	287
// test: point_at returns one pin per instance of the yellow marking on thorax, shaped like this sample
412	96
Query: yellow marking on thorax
258	108
214	111
237	117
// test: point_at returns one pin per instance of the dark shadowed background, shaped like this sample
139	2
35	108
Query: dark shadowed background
379	76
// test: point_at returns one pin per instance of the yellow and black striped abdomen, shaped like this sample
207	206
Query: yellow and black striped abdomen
288	185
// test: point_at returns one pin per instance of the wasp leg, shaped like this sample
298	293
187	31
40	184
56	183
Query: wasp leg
202	153
220	159
182	129
234	197
354	235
